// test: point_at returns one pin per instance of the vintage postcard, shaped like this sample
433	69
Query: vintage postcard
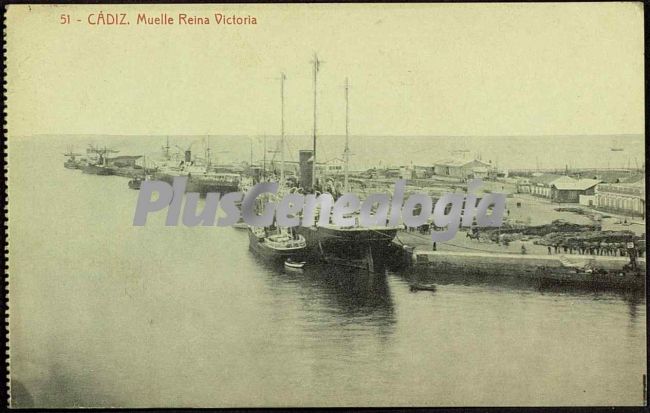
297	205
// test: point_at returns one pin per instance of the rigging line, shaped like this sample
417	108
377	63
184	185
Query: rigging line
381	233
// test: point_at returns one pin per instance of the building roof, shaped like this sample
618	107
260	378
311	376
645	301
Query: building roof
577	185
637	184
549	179
460	162
637	188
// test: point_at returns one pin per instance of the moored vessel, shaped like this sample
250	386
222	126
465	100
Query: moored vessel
200	177
344	242
95	169
351	242
72	162
293	264
135	183
276	244
98	165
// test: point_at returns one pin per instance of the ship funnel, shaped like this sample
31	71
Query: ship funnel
306	160
188	155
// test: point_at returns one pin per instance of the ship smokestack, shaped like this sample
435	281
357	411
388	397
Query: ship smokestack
306	160
188	155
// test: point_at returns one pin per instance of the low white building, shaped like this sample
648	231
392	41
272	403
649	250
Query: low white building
459	168
541	185
622	198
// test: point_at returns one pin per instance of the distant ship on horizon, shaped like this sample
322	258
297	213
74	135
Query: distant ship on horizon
616	147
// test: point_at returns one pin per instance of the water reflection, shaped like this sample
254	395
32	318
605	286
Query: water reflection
634	298
344	295
633	301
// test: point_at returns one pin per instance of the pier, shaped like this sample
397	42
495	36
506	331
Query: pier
492	260
504	261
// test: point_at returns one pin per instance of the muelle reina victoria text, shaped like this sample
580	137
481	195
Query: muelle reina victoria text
187	19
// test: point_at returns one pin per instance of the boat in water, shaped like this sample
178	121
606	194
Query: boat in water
276	243
96	169
291	263
135	183
344	242
201	177
616	146
422	287
72	162
97	164
351	242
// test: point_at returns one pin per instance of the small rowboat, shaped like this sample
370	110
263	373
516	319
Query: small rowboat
135	183
294	264
423	287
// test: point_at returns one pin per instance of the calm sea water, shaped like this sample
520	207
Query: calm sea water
106	314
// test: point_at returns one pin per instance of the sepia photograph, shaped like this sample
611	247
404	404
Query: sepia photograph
325	205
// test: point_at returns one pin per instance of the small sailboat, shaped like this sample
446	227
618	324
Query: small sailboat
291	263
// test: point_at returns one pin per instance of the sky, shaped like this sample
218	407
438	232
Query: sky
418	69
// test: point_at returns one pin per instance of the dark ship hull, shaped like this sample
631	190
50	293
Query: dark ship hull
201	185
96	170
348	242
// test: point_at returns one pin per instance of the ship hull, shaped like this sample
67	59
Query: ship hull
200	185
96	170
126	171
348	242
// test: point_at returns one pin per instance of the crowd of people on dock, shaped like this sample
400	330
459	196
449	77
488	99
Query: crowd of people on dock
592	248
614	249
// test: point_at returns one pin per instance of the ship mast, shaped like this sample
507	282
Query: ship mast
282	78
207	155
316	63
346	153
